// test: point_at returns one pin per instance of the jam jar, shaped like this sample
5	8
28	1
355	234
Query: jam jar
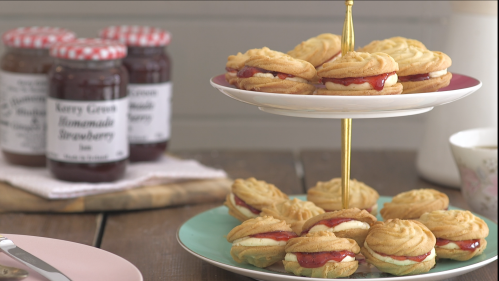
87	108
149	90
23	90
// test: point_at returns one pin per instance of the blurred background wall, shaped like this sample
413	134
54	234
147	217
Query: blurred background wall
204	33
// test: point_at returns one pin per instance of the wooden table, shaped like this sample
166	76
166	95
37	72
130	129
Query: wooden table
147	238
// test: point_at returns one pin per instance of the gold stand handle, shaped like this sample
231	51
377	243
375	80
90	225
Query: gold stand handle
347	45
347	37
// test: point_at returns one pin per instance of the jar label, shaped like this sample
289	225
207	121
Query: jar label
87	131
150	111
22	112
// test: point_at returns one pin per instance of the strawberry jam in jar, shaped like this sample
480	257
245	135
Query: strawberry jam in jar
23	90
149	89
87	111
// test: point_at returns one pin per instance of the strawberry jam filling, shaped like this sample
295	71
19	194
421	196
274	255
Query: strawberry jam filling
314	260
276	235
465	245
230	69
329	223
377	81
403	258
249	71
241	203
413	78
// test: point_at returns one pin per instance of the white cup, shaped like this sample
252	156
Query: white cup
475	153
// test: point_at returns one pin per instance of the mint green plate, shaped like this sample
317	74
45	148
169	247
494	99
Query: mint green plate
204	237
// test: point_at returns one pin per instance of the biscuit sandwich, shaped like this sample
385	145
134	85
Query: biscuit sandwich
318	50
400	247
260	241
391	45
412	204
277	73
460	234
295	212
360	74
321	255
327	195
350	223
236	62
248	197
420	70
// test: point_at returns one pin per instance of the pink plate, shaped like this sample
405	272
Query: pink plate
77	261
312	106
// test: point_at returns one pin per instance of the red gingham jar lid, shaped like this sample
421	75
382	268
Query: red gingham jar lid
36	37
89	49
135	35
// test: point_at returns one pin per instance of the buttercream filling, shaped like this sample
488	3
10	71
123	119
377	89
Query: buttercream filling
243	210
390	81
232	74
340	227
388	259
439	73
292	257
450	246
251	71
270	75
465	245
374	209
250	241
422	76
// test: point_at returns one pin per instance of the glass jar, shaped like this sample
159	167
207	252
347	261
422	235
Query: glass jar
149	88
87	111
23	89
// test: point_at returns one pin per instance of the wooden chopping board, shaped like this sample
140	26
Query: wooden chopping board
13	199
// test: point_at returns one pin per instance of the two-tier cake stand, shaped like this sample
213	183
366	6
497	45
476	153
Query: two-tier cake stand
200	238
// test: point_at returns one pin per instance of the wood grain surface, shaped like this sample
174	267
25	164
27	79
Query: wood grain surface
148	238
79	228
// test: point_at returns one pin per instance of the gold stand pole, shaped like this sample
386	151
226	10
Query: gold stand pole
347	45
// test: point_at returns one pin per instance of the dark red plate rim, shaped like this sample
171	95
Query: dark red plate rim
457	82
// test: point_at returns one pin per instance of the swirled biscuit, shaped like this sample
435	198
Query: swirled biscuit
360	74
394	90
350	223
278	86
260	241
391	45
318	50
412	204
426	86
327	195
236	62
460	234
248	197
357	64
277	73
400	247
295	212
413	61
313	255
284	64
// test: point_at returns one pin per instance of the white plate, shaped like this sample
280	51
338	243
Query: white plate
77	261
311	106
